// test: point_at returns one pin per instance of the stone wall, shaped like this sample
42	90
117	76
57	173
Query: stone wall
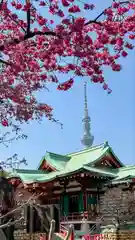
117	203
126	235
22	235
122	235
21	197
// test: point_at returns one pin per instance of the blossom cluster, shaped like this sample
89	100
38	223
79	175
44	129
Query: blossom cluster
35	49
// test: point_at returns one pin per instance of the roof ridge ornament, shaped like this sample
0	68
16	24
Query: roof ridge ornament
87	139
106	144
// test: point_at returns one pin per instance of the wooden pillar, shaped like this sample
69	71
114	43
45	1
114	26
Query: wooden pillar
84	199
98	207
63	183
82	181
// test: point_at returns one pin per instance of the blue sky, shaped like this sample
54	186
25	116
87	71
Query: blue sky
112	118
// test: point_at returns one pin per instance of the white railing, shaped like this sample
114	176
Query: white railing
63	229
94	226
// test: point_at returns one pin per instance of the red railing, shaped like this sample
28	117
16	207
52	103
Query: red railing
78	216
72	217
98	237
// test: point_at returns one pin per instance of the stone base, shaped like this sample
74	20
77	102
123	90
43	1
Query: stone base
22	235
122	235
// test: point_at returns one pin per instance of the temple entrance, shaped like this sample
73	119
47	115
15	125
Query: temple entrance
73	204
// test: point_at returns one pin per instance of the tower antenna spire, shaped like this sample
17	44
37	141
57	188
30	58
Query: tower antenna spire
87	139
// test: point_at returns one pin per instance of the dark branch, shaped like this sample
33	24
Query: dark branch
2	61
1	4
28	17
92	21
16	23
27	36
10	223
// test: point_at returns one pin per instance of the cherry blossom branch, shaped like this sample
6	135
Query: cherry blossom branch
33	197
102	13
12	18
48	33
52	229
17	23
32	63
13	162
10	223
26	37
16	136
5	139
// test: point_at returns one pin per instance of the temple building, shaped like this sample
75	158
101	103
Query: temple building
91	186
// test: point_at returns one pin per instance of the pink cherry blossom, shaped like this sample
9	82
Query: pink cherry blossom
57	37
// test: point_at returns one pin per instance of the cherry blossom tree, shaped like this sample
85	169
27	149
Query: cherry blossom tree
40	39
7	136
11	214
7	201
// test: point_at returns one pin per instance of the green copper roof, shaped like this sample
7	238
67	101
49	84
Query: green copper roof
88	156
39	177
27	175
124	174
31	176
55	160
103	172
69	164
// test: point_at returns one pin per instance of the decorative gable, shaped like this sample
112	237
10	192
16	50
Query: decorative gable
46	166
53	162
108	161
